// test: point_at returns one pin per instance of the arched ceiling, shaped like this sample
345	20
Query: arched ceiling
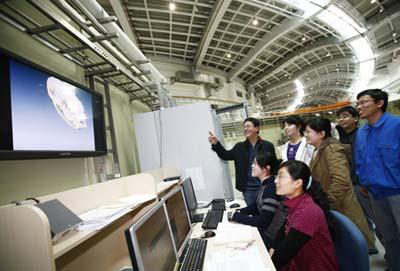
269	56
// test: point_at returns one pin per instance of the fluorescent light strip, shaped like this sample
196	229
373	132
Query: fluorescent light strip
341	22
362	49
347	28
300	94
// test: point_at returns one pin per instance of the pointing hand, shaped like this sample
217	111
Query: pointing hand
212	138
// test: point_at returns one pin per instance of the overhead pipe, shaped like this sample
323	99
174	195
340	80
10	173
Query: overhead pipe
123	42
105	45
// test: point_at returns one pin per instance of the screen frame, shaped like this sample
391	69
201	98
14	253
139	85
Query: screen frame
190	183
130	232
7	153
164	199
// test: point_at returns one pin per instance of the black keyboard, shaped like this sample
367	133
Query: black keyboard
197	218
193	255
212	219
218	204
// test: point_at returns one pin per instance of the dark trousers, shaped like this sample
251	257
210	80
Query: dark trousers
250	196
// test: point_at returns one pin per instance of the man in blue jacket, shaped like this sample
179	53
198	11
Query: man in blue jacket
377	157
243	154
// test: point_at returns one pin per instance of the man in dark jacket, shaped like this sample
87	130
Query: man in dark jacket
347	128
243	154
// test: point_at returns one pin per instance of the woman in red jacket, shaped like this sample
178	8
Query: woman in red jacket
304	242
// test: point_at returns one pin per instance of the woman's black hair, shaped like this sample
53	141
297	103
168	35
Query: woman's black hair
296	120
300	170
265	159
320	125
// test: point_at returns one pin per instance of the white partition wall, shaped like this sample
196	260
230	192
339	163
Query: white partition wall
178	137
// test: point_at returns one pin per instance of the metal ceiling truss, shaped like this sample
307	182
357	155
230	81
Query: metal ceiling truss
103	58
220	35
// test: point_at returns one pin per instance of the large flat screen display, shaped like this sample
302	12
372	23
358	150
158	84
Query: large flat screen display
47	116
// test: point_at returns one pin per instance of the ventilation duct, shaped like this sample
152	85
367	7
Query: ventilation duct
123	42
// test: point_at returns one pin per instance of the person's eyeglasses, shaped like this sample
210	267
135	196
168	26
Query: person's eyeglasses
345	116
281	177
363	102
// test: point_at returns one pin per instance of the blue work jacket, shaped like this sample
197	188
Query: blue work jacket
377	156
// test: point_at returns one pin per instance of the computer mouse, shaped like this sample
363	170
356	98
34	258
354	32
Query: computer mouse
208	234
235	205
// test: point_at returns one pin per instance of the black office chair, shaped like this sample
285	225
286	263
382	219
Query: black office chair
351	247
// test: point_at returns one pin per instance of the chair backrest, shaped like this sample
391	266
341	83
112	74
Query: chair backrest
351	247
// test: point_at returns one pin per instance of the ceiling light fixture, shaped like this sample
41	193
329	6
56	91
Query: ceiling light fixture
328	54
303	38
255	21
373	1
228	55
172	6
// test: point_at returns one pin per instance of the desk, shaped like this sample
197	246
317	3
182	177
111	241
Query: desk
25	241
217	253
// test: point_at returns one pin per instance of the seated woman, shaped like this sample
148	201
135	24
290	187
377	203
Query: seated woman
260	213
304	242
296	148
330	166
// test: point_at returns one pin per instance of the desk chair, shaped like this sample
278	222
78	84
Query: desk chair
351	247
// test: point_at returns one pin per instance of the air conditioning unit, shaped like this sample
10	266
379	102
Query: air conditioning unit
185	77
216	83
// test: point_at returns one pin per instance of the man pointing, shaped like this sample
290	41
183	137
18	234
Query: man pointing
243	154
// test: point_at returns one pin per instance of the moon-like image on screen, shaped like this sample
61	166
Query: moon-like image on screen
66	103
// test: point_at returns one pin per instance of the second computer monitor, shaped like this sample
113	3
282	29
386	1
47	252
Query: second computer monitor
150	242
178	218
190	195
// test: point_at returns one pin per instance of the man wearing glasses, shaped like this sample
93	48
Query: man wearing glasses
377	157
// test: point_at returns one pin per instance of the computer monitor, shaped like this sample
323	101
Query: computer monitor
190	196
150	242
178	218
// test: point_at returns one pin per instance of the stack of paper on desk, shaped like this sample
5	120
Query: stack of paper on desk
231	233
239	260
100	217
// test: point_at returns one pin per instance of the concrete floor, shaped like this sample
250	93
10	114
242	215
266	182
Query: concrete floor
377	262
